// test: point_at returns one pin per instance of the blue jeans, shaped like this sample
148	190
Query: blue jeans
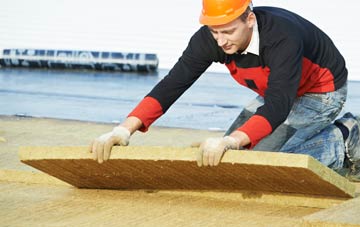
308	129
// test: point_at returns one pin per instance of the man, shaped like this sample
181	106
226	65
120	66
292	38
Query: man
295	68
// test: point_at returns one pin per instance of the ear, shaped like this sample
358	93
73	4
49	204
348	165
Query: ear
251	20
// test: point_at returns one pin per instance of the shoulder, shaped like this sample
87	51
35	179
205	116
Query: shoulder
278	21
279	26
272	19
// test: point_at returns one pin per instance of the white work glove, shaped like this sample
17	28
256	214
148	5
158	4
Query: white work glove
212	150
101	146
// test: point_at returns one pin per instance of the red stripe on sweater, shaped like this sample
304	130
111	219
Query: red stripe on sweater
257	127
148	110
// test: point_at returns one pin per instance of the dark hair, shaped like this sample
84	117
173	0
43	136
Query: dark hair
245	14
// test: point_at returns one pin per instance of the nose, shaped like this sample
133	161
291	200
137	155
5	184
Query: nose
221	40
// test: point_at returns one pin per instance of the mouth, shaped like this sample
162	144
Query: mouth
227	47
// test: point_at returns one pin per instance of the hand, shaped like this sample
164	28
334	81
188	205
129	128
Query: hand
212	150
101	147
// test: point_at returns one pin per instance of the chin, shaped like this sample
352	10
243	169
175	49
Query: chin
230	51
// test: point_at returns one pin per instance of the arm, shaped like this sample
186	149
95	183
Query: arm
132	124
120	135
198	56
285	62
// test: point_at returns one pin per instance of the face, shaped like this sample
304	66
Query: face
234	36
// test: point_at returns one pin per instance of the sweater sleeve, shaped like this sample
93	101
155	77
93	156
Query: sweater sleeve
284	58
201	51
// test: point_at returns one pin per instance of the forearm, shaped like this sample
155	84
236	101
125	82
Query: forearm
132	124
241	137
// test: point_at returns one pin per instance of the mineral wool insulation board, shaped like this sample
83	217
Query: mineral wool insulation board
170	168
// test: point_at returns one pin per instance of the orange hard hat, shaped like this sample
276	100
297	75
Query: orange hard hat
217	12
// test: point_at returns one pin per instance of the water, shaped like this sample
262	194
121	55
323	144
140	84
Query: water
157	26
213	102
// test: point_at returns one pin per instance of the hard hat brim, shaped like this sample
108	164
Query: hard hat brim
223	19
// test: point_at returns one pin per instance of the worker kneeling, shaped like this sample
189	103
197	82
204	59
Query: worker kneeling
294	67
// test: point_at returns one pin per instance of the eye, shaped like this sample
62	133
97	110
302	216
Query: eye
229	32
213	32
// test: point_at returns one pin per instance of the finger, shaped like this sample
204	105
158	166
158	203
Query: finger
123	143
94	146
199	157
217	158
211	158
205	158
100	152
107	150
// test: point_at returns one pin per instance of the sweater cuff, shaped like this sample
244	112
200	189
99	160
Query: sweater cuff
148	110
257	127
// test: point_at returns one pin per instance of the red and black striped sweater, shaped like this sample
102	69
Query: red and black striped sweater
295	57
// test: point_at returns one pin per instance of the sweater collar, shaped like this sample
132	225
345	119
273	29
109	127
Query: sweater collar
253	47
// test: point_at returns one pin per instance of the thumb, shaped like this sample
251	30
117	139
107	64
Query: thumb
121	136
199	156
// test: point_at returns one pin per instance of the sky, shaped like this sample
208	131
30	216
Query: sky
157	26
